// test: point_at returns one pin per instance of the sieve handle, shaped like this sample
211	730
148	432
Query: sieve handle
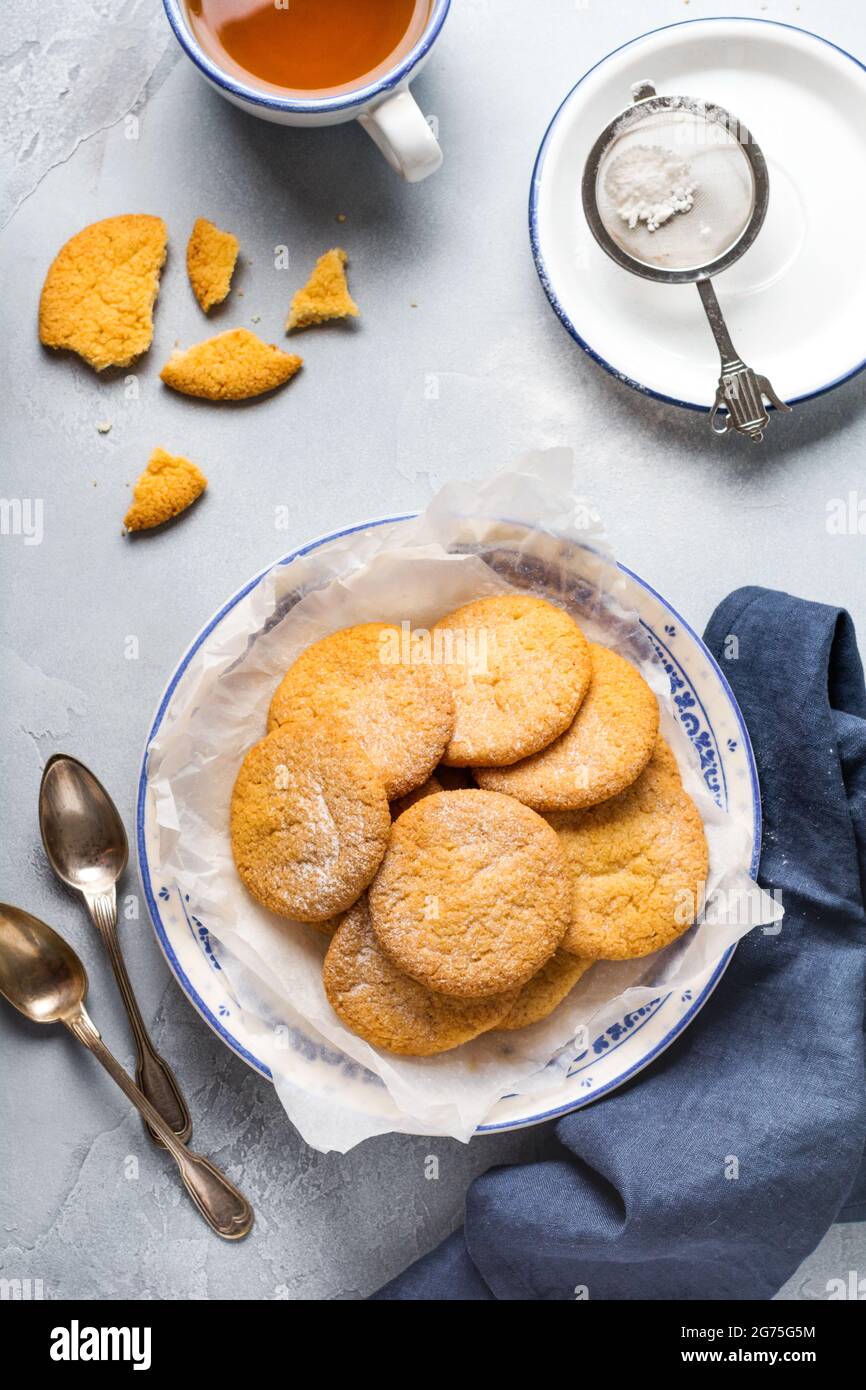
741	392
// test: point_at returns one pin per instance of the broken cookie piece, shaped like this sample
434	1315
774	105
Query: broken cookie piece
100	290
325	295
167	487
230	367
210	262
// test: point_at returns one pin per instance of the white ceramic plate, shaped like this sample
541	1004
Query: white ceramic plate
796	301
711	719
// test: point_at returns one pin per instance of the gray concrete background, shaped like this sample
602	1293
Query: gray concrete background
101	115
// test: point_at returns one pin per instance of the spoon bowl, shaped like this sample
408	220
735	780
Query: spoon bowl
42	977
86	846
81	829
40	974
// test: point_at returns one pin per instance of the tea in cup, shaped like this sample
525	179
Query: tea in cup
319	62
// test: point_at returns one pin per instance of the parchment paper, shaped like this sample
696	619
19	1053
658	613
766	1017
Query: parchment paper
531	518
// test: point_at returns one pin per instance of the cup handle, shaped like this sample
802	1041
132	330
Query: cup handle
398	127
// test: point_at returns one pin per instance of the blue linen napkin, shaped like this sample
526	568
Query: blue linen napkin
638	1201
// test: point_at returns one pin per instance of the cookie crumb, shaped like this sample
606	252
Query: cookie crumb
325	295
230	367
103	426
166	488
211	255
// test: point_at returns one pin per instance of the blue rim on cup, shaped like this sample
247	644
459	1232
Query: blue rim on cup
385	108
542	268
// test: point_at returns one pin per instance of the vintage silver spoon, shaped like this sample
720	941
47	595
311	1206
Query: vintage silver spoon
42	977
86	846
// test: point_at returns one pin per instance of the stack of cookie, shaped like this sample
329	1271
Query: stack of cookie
473	814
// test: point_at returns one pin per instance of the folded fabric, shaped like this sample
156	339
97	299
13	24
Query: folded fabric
716	1171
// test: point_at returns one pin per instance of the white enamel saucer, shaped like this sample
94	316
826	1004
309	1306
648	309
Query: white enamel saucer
712	721
796	301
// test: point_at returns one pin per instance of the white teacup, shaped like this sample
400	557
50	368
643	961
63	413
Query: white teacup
385	107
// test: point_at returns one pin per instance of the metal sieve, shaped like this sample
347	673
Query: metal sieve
675	189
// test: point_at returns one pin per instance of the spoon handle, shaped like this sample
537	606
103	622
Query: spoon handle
153	1074
223	1206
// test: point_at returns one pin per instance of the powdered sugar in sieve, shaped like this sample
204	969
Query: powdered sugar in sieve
675	190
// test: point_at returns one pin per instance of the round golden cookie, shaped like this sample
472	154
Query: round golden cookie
605	749
309	821
473	894
638	865
519	668
402	711
428	788
389	1009
538	999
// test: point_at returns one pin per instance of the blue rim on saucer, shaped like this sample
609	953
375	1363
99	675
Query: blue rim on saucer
176	12
153	896
535	183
